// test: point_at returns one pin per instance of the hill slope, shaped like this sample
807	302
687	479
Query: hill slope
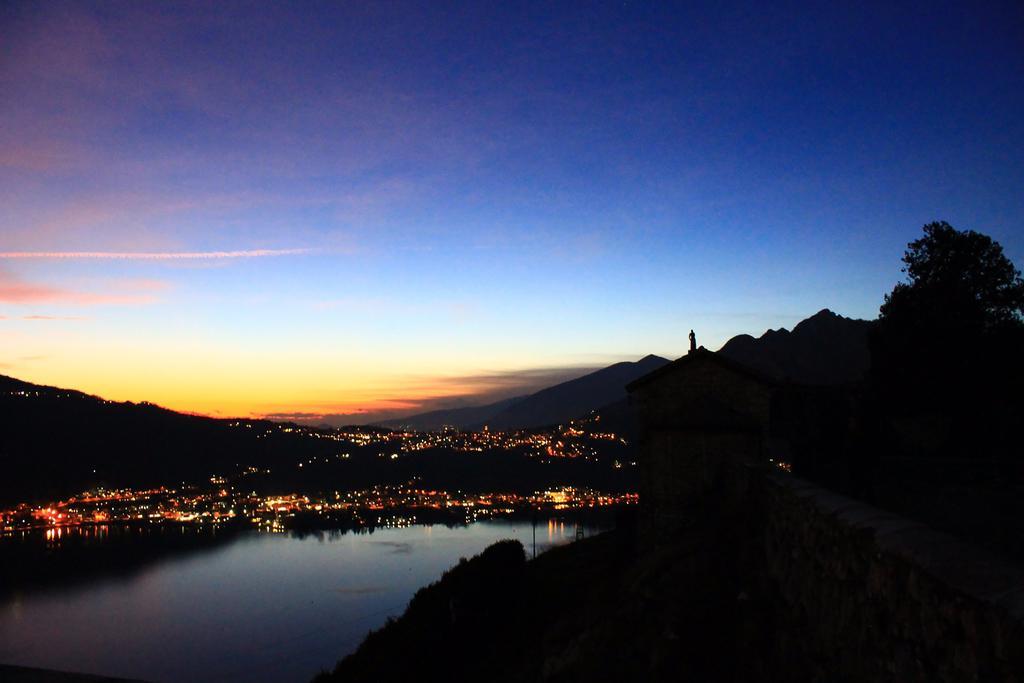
59	441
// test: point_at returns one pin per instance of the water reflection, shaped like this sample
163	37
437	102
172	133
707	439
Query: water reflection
263	607
54	535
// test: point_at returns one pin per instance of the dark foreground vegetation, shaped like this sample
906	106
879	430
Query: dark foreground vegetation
771	579
591	611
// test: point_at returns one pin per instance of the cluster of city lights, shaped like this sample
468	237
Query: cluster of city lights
578	439
378	505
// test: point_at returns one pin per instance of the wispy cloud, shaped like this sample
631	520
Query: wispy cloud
505	383
23	359
52	317
14	290
457	392
151	255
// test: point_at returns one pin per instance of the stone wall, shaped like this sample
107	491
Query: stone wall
827	588
870	596
677	490
674	398
695	416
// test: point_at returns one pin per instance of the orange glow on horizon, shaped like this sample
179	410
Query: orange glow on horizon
191	370
224	392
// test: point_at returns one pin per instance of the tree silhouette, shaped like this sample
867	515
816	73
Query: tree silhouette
947	340
957	280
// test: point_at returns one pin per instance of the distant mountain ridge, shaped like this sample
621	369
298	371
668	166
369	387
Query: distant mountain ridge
551	406
824	349
451	417
575	398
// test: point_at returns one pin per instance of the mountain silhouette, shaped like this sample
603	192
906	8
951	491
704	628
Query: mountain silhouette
551	406
451	417
572	399
58	442
825	349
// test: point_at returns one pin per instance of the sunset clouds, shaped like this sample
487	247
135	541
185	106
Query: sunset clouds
358	209
14	290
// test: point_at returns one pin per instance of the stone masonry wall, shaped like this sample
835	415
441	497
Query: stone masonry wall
671	398
870	596
827	588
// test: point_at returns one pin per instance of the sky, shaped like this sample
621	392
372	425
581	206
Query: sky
362	210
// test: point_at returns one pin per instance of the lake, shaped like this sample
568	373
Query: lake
261	607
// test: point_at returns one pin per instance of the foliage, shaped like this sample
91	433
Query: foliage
947	343
957	279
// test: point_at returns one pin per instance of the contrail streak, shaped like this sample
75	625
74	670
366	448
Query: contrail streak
152	255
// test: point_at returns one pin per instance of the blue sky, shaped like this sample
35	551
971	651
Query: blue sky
441	202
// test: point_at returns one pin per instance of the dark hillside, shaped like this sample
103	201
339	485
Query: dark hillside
55	442
590	611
